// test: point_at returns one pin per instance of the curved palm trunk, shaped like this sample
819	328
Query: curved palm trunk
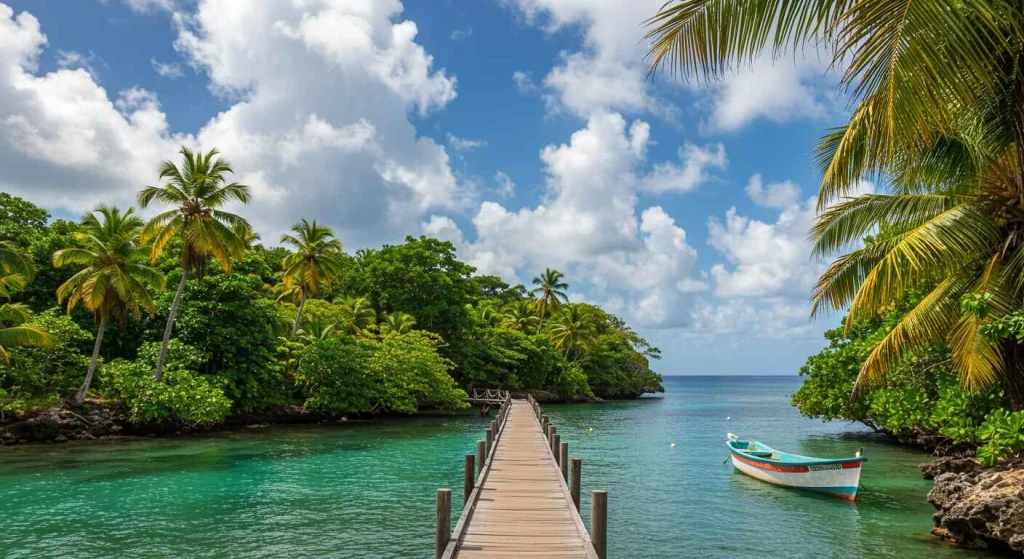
159	375
540	324
298	315
79	398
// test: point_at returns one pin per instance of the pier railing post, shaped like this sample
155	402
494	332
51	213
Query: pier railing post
490	443
563	460
551	439
468	478
574	481
556	443
443	531
481	455
599	522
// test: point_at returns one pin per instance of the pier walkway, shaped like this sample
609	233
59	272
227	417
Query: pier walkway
521	505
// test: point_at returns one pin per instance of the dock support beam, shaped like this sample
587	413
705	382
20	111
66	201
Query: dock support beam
481	456
574	481
563	460
443	532
599	522
468	478
490	443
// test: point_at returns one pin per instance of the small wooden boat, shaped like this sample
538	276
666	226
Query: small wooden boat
838	477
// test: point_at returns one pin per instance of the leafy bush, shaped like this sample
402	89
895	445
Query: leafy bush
183	395
572	382
1003	436
38	377
398	374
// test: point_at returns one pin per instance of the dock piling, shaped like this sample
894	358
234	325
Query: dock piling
556	444
563	460
481	455
468	478
490	442
443	531
551	439
599	522
574	481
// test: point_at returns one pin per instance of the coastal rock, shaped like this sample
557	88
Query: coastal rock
946	464
980	508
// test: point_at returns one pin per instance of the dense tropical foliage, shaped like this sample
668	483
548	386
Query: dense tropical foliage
305	325
937	118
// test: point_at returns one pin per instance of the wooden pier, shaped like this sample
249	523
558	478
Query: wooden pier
522	503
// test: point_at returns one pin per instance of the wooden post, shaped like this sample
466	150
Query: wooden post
468	478
443	531
551	439
563	460
574	482
481	455
490	442
556	443
599	522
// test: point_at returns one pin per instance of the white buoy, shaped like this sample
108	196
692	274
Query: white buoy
673	445
728	418
591	429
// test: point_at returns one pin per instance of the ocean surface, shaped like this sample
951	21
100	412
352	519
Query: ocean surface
367	489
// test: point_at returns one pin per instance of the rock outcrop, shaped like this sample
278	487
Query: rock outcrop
980	508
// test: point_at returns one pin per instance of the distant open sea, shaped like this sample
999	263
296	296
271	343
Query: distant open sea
367	490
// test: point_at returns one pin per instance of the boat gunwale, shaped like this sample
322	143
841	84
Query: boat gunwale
801	460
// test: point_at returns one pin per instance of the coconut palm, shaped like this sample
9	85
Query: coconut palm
552	293
573	330
316	329
14	331
316	262
114	280
486	313
16	269
938	113
399	322
197	189
521	315
362	314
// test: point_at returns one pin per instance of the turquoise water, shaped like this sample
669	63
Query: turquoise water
367	490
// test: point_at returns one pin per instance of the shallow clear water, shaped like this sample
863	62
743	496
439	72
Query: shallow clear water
367	490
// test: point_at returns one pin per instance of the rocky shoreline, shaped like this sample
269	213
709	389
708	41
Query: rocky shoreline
981	508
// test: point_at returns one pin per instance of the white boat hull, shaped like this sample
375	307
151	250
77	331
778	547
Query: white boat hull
837	480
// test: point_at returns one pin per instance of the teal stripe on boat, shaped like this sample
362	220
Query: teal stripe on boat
844	490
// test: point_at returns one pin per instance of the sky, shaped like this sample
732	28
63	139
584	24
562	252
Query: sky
524	131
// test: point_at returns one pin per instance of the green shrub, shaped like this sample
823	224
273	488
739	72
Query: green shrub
38	377
183	395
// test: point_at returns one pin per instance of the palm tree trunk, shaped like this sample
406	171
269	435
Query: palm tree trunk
540	325
298	315
79	398
170	326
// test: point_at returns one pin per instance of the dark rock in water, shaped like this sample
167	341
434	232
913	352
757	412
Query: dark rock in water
980	508
945	464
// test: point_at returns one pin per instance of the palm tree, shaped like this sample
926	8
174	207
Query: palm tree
315	330
573	329
486	313
14	331
938	113
399	322
521	315
552	293
113	281
317	260
362	314
196	189
16	269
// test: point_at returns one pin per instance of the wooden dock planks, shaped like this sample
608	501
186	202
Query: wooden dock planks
522	507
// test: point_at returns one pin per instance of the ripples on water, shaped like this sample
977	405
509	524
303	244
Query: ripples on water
368	490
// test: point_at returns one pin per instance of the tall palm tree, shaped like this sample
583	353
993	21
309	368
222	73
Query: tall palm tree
521	315
552	293
16	269
486	313
316	329
197	189
362	314
573	329
114	280
938	113
317	261
399	322
14	331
